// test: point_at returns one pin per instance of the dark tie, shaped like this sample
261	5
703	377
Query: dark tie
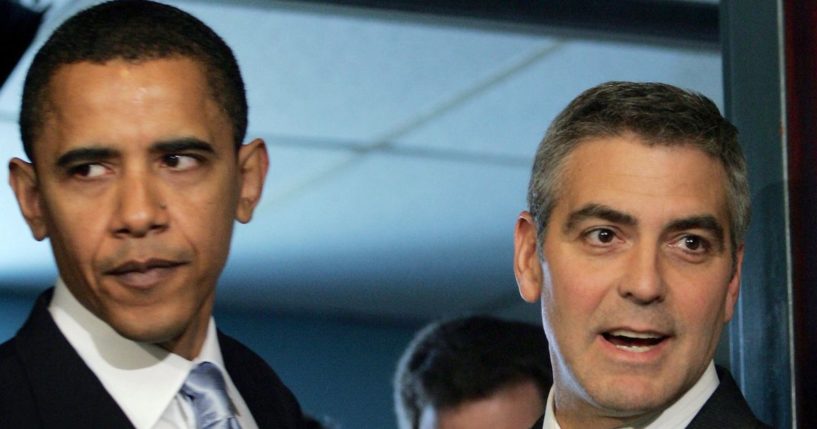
207	392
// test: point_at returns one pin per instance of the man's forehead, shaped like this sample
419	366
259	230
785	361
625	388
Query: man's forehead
623	137
628	174
605	153
123	65
169	97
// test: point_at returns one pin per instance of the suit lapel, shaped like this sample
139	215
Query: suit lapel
66	391
726	408
247	381
270	402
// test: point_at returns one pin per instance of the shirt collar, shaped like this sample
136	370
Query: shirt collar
677	415
550	417
142	378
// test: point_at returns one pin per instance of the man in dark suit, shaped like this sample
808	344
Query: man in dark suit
633	242
133	117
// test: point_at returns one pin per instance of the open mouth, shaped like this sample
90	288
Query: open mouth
638	342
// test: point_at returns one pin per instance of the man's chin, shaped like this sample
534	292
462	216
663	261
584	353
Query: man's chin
145	333
633	405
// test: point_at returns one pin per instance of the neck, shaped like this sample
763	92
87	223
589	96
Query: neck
574	421
572	413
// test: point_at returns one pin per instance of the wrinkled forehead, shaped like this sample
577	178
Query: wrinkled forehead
628	173
633	145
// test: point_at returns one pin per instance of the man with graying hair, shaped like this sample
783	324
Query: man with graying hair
133	119
633	242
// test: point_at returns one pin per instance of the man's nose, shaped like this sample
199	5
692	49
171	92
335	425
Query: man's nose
644	281
140	208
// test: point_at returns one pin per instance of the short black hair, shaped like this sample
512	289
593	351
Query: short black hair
459	360
135	31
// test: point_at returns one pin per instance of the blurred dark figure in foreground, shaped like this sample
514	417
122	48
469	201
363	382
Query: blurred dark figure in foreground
474	372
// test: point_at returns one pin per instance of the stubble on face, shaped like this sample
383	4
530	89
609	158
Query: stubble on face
636	282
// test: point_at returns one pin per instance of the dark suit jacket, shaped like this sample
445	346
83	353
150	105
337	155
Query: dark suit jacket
725	409
45	384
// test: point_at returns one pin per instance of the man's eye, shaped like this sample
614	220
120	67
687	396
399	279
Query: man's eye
693	244
180	162
87	171
601	236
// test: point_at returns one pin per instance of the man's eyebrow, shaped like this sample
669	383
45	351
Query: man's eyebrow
85	154
181	145
705	222
598	211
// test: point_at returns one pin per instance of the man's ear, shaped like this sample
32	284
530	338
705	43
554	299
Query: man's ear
526	264
253	163
733	288
23	181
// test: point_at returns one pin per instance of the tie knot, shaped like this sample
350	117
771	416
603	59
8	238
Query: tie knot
207	392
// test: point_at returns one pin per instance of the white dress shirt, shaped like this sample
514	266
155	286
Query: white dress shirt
143	379
676	416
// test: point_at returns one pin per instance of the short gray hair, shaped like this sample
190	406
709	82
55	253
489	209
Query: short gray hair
660	114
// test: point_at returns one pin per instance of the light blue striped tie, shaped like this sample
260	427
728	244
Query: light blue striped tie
207	392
